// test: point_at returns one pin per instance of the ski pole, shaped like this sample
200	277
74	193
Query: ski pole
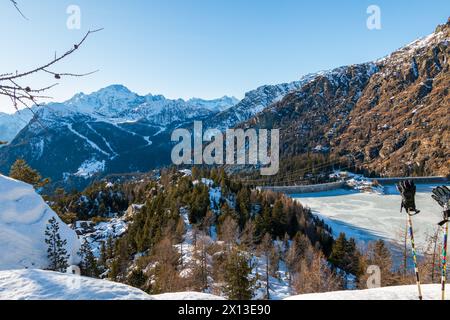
444	261
416	268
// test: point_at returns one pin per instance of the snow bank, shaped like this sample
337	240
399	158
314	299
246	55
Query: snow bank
186	296
23	218
47	285
430	292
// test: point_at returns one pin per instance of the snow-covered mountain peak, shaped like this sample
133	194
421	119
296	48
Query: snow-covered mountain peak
440	36
116	103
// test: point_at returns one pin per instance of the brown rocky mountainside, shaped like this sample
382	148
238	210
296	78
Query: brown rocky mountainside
391	116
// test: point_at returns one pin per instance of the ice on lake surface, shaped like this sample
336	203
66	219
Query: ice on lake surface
370	216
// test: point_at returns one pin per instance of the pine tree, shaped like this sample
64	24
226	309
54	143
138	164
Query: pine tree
56	252
236	273
137	279
103	257
88	266
243	205
20	170
338	253
120	262
278	219
265	249
345	255
109	248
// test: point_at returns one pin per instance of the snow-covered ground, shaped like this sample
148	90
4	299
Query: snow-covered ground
429	291
47	285
370	216
23	219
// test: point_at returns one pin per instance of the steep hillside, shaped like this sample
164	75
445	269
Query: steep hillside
254	102
390	116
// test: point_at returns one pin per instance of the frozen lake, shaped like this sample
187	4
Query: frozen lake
370	216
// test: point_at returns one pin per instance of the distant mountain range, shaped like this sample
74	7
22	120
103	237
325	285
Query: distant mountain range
390	116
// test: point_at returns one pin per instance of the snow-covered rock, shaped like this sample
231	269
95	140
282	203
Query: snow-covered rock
23	219
47	285
96	234
254	102
430	292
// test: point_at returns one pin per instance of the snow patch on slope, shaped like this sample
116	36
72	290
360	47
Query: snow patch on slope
90	167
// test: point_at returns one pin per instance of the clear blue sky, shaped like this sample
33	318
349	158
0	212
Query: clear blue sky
206	48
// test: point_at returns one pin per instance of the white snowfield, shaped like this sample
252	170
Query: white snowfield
47	285
23	219
429	291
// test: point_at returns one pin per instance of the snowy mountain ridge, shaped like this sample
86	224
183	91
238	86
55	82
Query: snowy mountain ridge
254	102
116	103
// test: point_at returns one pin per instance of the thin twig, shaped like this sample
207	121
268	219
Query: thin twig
14	2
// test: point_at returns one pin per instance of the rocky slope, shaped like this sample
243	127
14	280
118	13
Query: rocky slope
253	103
390	116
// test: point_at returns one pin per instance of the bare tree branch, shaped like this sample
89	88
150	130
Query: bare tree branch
27	96
55	60
24	95
14	2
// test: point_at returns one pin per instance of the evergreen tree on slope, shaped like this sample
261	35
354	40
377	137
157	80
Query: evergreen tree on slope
56	252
